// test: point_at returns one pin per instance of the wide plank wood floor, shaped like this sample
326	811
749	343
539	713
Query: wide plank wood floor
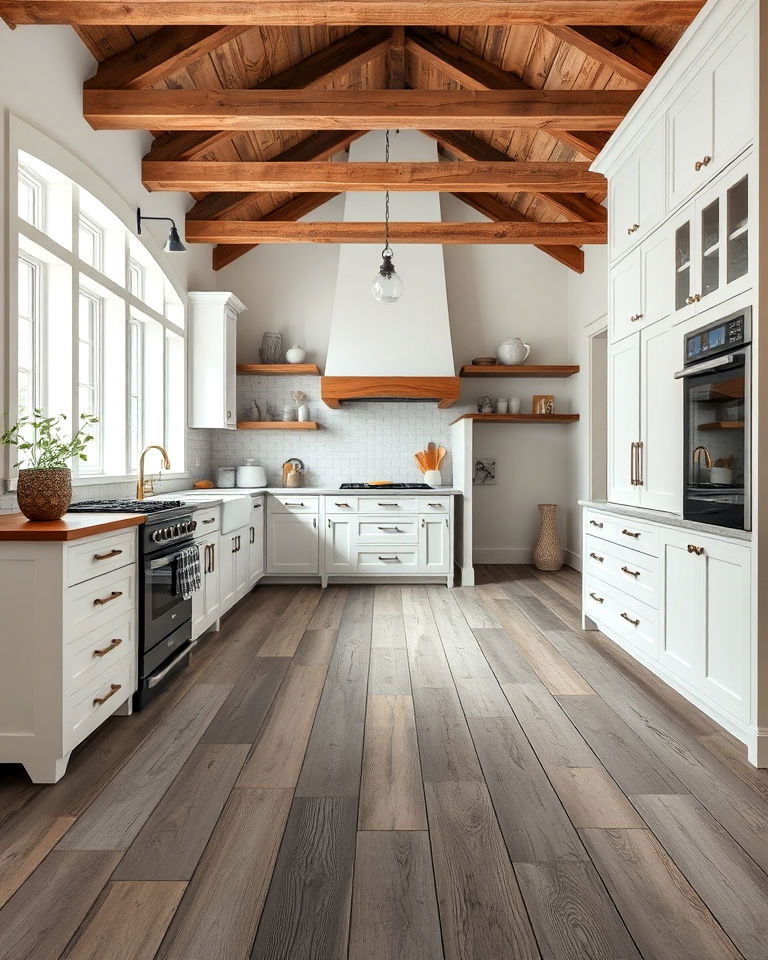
387	773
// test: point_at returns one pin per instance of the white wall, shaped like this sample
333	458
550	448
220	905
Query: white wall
42	70
587	296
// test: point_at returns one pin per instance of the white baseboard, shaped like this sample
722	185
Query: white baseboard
757	747
573	559
502	555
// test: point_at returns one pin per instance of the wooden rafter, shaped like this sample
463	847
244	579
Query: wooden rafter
319	146
396	60
197	176
475	73
238	110
317	70
270	231
159	55
350	12
569	255
618	48
573	206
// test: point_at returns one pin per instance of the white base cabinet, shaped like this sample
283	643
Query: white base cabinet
293	545
435	545
68	657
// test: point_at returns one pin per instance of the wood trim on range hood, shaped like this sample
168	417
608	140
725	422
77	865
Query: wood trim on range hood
445	390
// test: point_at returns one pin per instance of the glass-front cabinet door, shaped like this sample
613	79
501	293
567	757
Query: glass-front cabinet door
711	249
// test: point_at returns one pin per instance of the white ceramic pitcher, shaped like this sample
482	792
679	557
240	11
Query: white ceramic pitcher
513	352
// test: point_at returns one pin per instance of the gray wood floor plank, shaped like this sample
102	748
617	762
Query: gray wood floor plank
663	913
388	623
622	753
445	744
728	881
481	909
426	656
308	907
572	915
220	910
285	636
462	650
114	819
394	914
554	738
172	840
504	656
389	672
533	822
41	917
351	655
242	713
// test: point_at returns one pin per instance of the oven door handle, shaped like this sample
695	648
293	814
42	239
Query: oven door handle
163	561
155	678
706	366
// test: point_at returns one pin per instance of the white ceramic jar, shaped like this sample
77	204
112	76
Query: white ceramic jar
249	474
225	477
295	354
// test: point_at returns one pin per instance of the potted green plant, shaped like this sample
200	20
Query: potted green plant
44	489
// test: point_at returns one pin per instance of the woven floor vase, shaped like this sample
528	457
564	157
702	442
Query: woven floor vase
547	554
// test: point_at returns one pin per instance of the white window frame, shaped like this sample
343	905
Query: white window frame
30	178
94	464
136	269
26	139
131	456
89	225
38	370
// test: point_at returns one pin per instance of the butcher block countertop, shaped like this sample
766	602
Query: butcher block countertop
72	526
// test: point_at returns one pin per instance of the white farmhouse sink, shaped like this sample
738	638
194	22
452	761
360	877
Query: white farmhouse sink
235	512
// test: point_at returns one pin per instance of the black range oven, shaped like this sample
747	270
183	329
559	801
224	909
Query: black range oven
165	617
716	422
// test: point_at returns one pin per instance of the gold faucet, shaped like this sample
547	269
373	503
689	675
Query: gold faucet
696	461
146	486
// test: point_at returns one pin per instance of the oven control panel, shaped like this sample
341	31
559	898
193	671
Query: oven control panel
719	337
173	531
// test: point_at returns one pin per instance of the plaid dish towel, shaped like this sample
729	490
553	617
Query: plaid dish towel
188	572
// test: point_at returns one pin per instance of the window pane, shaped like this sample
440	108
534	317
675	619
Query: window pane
30	191
89	373
91	241
29	383
135	391
175	400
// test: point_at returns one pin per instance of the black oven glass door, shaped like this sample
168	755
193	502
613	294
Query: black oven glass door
164	608
716	446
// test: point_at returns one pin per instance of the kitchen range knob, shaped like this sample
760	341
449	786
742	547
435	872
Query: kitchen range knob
156	536
165	533
193	525
175	530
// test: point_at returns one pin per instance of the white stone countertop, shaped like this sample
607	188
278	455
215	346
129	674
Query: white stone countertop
669	519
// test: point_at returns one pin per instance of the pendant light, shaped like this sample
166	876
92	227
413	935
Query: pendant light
387	287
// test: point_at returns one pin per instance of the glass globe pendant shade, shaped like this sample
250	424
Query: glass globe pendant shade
387	287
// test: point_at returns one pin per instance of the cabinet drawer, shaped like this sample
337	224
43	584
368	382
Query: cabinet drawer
434	504
93	557
295	503
90	605
341	504
89	655
399	530
389	505
622	530
630	571
89	707
402	560
621	615
207	520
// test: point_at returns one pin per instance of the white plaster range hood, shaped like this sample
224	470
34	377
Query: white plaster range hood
391	351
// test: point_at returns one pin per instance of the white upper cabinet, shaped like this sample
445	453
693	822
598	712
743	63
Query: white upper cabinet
641	286
213	359
712	121
637	195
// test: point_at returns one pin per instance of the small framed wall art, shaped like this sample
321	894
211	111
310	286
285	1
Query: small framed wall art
543	403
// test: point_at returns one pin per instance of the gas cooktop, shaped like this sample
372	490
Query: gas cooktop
124	506
385	486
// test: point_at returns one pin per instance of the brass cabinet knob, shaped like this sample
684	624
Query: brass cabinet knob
699	551
635	317
704	162
634	228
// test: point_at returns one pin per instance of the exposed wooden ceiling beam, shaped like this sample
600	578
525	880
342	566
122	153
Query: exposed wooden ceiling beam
574	206
195	176
319	146
159	55
350	12
567	254
396	60
293	209
475	73
618	48
237	110
319	69
263	231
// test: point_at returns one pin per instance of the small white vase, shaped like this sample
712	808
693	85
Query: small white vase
303	412
295	354
433	478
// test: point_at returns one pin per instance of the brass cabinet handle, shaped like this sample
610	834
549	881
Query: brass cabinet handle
632	573
390	529
207	558
633	465
634	228
697	550
635	317
388	504
640	470
391	559
596	557
210	520
292	503
107	556
213	557
113	688
102	600
253	535
626	616
596	523
341	504
596	598
629	533
690	299
704	162
115	642
438	506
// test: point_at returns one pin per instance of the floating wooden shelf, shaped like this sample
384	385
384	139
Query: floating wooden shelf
522	370
276	425
280	369
722	425
519	417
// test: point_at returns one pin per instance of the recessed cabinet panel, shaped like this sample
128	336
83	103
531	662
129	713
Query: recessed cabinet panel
657	287
683	640
624	210
624	419
726	676
626	296
292	544
434	545
340	549
733	92
661	417
690	139
651	180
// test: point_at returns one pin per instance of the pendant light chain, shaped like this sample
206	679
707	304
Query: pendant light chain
386	201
